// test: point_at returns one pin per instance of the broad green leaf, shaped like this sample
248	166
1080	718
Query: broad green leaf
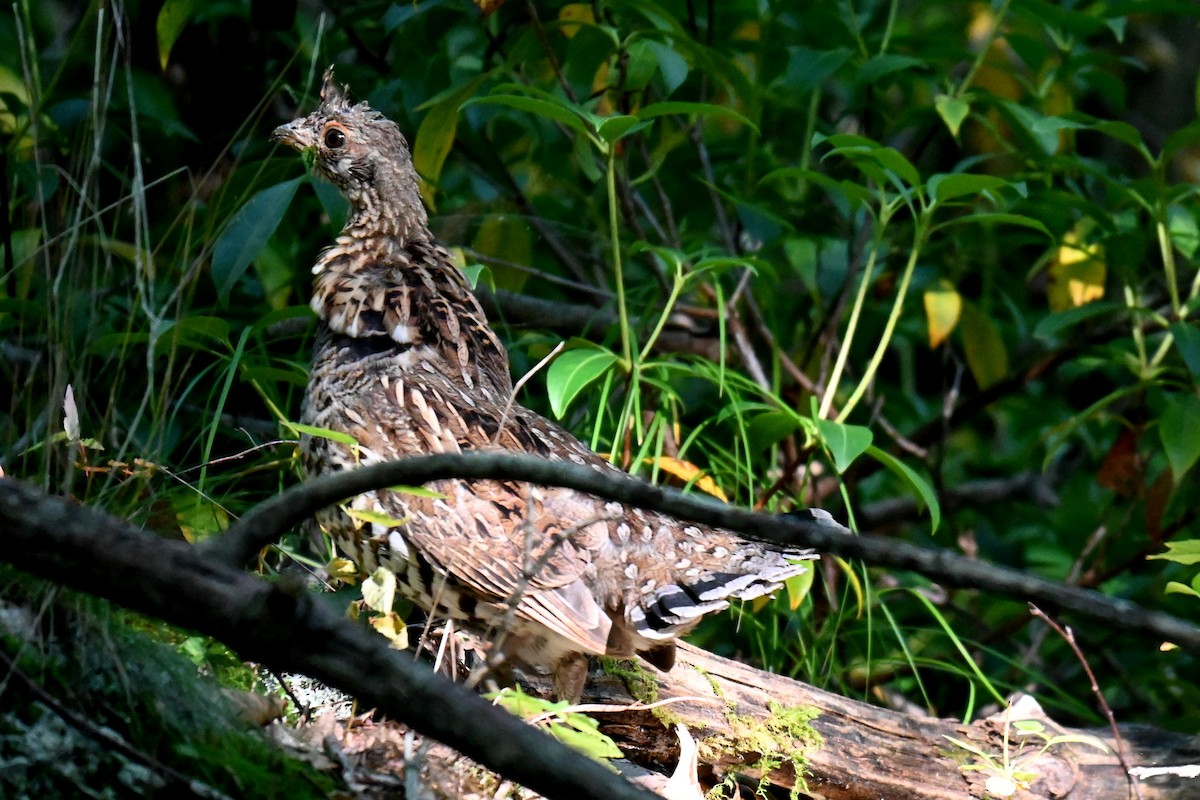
919	486
859	149
572	371
614	128
1184	137
1004	219
943	187
671	65
1044	136
322	433
1121	131
172	18
375	517
953	112
798	587
808	68
1184	551
1187	342
770	428
436	134
247	232
1051	325
987	357
1180	433
1182	226
555	110
479	272
845	442
678	107
877	66
1175	587
943	306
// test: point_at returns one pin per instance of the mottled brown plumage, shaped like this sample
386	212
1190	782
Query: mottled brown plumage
406	363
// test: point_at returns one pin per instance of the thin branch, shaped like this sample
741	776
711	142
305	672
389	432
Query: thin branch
284	627
814	528
1068	636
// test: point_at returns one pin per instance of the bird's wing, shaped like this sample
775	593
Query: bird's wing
502	541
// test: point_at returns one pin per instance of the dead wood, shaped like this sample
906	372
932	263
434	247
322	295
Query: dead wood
864	751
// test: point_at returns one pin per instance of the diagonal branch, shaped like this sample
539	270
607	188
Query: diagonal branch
266	522
284	627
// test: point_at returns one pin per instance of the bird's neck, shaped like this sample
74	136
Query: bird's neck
398	215
405	289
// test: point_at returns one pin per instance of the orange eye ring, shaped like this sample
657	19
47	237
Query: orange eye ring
335	138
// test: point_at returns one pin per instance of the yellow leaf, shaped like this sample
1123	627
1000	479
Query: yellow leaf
379	590
987	357
943	305
391	626
575	12
342	569
1077	275
686	471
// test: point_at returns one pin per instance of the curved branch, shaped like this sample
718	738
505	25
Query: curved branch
282	626
265	523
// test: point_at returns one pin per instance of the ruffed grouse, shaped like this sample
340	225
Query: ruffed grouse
406	363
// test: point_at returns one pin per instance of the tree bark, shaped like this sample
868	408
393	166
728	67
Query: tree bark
745	720
868	752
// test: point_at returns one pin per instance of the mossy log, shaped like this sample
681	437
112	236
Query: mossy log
853	751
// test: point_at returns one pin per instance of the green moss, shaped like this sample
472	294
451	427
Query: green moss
641	684
84	665
781	741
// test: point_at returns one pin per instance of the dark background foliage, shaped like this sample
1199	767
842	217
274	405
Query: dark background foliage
154	334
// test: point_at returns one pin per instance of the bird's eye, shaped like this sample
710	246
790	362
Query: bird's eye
334	139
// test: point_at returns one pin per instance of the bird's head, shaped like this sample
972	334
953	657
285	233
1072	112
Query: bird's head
360	151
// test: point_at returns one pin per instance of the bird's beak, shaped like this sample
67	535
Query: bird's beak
291	135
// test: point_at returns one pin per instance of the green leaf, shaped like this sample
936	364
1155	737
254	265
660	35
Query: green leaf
808	68
322	433
671	65
614	128
1175	587
845	442
919	486
987	357
1182	226
1187	342
435	136
798	587
1003	219
172	19
247	232
1052	324
1184	551
770	428
876	67
953	112
552	109
572	371
677	107
943	187
1180	434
